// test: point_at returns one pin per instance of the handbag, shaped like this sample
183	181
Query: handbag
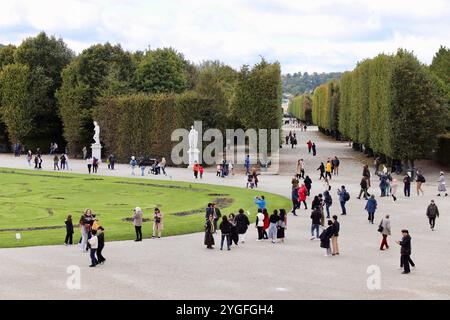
380	227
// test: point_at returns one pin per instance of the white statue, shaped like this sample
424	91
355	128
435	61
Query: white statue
96	133
193	139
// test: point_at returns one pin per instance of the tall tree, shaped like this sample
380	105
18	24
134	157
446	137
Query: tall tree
51	55
417	111
7	55
99	71
24	95
162	71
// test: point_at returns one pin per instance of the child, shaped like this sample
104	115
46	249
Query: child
201	171
69	230
93	242
101	245
218	170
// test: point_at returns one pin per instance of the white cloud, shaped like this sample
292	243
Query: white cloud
321	35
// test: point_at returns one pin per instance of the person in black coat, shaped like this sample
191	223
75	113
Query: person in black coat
209	231
242	224
69	230
101	245
321	168
335	235
225	230
234	233
405	251
307	183
325	238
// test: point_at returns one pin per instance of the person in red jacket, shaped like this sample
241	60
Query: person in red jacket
302	192
309	144
266	223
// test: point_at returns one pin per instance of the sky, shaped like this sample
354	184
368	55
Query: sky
311	36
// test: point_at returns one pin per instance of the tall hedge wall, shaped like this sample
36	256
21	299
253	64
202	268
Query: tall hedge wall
443	151
141	124
300	107
390	104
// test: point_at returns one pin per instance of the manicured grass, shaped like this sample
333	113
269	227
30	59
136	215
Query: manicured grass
30	199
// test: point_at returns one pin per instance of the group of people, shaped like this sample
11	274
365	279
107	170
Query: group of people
138	220
60	163
330	168
155	167
233	228
92	236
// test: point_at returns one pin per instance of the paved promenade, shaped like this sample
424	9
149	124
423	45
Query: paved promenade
181	268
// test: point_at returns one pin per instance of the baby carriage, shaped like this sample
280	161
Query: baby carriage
250	181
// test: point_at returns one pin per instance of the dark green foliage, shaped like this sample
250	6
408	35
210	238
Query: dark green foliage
24	95
443	150
257	102
100	70
163	71
417	112
6	55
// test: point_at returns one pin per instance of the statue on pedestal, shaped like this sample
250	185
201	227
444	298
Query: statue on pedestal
96	133
193	139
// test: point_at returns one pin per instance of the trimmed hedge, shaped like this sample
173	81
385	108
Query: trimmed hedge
301	107
141	125
389	104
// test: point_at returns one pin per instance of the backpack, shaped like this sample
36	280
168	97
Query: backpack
133	162
346	196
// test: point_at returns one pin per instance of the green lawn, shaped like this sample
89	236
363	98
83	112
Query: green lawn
30	199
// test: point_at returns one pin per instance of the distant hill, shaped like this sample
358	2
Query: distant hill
299	83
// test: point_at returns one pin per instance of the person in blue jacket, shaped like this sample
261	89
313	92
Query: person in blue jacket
247	165
261	202
371	207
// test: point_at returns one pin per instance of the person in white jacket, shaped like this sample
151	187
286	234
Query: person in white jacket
385	227
441	186
260	224
93	241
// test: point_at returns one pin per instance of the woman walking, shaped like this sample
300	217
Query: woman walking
371	207
302	192
234	236
137	222
420	179
242	224
274	218
266	223
385	229
225	231
158	223
282	224
55	163
441	186
209	231
69	231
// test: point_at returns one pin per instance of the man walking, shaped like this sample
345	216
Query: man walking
405	251
364	188
432	213
247	165
344	196
407	185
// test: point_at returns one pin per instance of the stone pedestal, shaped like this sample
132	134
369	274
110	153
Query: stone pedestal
193	156
96	151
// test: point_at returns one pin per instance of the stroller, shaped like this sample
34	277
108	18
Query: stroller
250	181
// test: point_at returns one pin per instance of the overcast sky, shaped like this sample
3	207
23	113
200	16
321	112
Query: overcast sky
316	35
